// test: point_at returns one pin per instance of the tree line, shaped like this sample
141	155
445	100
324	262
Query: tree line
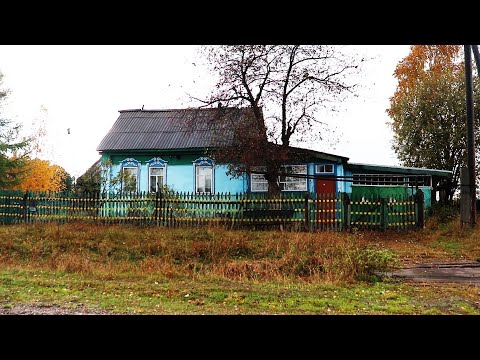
285	86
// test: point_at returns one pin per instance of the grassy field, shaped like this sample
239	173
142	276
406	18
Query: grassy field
143	270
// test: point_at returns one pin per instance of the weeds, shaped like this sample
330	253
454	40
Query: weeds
217	271
213	252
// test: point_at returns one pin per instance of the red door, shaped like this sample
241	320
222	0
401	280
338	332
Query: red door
325	186
325	202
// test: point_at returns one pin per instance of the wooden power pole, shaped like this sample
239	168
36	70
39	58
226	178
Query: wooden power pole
468	198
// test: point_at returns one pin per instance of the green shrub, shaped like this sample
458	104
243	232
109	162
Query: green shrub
444	213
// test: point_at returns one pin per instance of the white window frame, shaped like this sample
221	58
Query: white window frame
163	176
136	176
390	180
287	181
318	169
257	184
197	167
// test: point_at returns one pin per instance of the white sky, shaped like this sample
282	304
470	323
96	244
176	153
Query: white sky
84	86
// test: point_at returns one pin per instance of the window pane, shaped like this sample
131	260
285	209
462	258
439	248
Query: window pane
156	171
130	179
290	183
130	171
258	177
201	170
204	179
153	183
260	186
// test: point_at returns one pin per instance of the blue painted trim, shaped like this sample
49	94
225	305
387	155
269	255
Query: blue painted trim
325	173
129	162
335	172
204	161
132	163
156	162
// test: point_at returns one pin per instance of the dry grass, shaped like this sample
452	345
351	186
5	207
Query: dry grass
211	252
238	255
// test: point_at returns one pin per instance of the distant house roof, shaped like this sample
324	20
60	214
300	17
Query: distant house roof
313	155
398	170
170	129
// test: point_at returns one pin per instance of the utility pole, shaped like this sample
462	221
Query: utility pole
468	205
476	55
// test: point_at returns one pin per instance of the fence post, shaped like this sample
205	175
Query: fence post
156	206
25	197
383	213
307	220
346	211
419	199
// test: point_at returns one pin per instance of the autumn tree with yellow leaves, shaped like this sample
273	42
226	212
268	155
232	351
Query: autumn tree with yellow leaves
428	110
40	175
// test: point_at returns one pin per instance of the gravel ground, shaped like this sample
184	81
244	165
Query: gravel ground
22	309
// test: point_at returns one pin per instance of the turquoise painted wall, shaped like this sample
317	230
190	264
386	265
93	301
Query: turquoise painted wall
224	183
340	183
181	177
348	184
180	173
311	182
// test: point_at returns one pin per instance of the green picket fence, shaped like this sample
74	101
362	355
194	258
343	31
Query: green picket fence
393	212
313	212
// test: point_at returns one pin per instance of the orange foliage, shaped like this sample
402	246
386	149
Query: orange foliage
424	59
41	176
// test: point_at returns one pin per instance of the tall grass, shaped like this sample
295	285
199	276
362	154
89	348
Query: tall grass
210	252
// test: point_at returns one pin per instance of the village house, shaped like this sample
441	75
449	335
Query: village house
161	147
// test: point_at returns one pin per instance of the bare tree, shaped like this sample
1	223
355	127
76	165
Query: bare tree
284	86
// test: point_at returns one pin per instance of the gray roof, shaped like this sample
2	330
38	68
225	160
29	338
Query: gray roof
317	155
170	129
398	169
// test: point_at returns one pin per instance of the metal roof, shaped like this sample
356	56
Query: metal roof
171	129
318	155
398	169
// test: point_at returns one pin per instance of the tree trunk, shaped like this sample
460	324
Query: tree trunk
273	189
271	176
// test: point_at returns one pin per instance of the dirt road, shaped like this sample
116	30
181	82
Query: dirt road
448	272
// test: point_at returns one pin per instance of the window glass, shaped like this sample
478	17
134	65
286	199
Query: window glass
156	178
203	183
129	180
287	183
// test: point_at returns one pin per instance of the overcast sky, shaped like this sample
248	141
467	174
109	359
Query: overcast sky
83	87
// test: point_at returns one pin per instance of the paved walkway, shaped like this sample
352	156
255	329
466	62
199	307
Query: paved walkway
451	272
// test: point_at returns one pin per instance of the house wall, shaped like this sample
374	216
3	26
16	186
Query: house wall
225	183
340	171
348	184
179	174
337	171
311	182
385	191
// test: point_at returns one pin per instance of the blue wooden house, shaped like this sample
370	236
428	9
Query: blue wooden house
157	147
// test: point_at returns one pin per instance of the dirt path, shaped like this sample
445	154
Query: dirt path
447	272
22	309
